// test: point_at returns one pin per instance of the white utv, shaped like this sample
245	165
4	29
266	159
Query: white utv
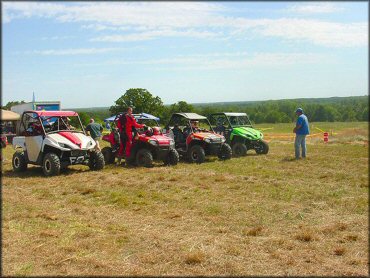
46	138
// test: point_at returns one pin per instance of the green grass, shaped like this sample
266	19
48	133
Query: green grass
325	126
256	215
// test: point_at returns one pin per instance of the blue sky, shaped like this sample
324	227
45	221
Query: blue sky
87	54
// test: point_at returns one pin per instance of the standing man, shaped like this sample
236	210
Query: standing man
130	123
301	130
95	130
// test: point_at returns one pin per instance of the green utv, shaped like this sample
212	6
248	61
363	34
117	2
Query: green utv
239	133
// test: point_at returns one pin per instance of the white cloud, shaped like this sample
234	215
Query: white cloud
155	34
54	38
138	21
222	61
75	51
318	32
315	8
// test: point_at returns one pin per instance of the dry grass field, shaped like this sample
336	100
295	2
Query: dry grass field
256	215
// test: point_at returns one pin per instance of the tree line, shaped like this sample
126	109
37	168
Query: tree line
334	109
271	111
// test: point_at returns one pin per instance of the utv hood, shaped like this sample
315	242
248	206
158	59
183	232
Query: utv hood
161	139
208	135
70	141
247	132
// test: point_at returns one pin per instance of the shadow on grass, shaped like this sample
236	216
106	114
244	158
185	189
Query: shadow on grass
289	159
37	172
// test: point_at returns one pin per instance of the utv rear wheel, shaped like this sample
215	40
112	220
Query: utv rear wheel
144	158
19	162
96	161
196	154
262	147
225	152
239	149
108	155
51	165
172	158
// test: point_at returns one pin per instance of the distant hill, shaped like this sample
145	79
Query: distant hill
238	103
354	108
303	100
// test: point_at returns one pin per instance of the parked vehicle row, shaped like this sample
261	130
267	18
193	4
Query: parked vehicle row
46	139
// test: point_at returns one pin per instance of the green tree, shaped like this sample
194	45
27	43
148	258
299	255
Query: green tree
12	103
141	100
181	106
84	117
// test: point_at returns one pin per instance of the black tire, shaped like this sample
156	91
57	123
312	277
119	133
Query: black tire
261	147
172	158
108	155
19	162
144	158
196	154
51	165
239	149
96	161
225	152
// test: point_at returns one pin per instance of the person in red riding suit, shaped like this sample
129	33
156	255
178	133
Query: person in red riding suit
122	140
130	122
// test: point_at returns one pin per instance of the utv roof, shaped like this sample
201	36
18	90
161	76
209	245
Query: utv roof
191	116
230	114
141	116
53	113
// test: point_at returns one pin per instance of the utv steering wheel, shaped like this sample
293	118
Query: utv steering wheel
148	130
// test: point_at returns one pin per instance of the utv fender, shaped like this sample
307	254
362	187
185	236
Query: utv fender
50	143
238	139
196	142
48	149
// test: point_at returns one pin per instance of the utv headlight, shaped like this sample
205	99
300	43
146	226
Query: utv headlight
64	145
223	139
153	142
172	143
208	140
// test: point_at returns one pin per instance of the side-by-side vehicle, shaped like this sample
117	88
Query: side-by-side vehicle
239	132
46	138
195	138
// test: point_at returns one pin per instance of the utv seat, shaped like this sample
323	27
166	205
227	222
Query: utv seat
220	129
179	137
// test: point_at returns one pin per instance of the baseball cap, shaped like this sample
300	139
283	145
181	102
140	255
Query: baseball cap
300	110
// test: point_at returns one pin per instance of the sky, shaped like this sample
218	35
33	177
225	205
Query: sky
87	54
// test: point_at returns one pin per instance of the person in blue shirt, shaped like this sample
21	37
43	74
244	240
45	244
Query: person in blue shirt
301	130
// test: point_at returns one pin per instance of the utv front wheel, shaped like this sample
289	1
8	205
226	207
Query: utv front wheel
239	149
144	158
108	155
262	147
19	162
96	161
172	158
196	154
225	152
51	165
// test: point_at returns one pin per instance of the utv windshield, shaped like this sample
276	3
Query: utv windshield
148	122
236	121
56	124
200	126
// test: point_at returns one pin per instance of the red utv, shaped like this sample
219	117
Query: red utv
149	144
195	138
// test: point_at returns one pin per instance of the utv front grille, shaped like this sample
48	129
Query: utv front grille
78	153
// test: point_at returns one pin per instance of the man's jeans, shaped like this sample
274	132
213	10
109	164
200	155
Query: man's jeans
300	140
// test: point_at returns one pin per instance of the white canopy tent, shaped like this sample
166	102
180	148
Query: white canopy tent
7	115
